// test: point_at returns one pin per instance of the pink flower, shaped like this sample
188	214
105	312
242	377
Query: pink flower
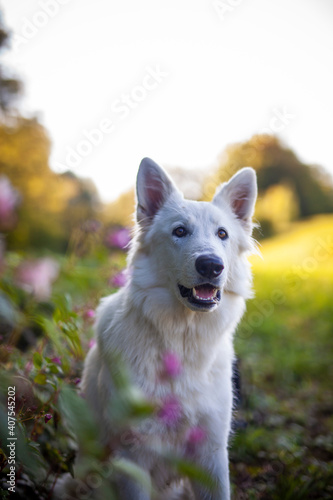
119	279
119	238
170	411
91	344
29	365
89	314
171	364
36	277
47	417
9	199
77	381
195	437
56	360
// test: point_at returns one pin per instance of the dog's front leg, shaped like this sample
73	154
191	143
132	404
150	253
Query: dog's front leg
218	467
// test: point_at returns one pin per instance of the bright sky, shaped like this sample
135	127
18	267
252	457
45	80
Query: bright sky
177	80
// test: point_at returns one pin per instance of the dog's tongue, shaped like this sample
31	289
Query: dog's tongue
205	292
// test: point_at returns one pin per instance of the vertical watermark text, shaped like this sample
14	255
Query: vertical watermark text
11	440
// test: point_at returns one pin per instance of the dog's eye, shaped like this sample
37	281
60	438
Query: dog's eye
179	232
222	233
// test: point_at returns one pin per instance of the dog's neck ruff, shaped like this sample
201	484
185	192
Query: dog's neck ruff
160	308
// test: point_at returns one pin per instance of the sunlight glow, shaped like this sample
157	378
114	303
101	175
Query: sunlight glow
177	81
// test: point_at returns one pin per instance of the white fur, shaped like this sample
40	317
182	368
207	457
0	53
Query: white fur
149	316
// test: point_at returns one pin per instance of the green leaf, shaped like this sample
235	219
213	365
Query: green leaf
9	313
37	360
191	470
55	369
33	444
81	421
40	379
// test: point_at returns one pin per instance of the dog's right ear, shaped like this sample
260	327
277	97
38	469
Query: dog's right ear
153	188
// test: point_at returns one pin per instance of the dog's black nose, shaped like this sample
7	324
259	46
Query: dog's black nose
209	266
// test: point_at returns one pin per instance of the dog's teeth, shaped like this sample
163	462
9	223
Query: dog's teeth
197	295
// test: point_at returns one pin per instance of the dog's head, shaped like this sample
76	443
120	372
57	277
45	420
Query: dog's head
194	250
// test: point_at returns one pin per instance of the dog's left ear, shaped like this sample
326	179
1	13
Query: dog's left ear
240	192
153	188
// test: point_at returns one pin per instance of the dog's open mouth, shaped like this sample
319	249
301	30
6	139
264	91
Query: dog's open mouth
203	295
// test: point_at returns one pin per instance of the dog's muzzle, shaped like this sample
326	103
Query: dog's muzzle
205	296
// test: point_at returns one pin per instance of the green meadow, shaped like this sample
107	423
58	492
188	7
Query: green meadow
282	447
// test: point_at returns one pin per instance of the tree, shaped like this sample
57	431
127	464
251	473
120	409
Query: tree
52	206
288	188
10	86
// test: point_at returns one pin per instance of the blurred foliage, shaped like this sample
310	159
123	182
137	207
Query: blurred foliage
288	189
10	86
121	210
52	205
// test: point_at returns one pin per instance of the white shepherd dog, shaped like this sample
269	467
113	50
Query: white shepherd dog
189	279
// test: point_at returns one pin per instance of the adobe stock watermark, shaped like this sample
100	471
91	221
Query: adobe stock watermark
263	309
48	9
83	489
225	7
280	118
121	108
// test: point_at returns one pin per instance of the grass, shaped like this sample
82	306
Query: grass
282	447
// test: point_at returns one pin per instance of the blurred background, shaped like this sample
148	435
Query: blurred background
204	88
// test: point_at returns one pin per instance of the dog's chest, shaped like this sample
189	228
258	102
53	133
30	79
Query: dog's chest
199	395
183	402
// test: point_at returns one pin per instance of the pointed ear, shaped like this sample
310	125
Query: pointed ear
153	188
240	192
